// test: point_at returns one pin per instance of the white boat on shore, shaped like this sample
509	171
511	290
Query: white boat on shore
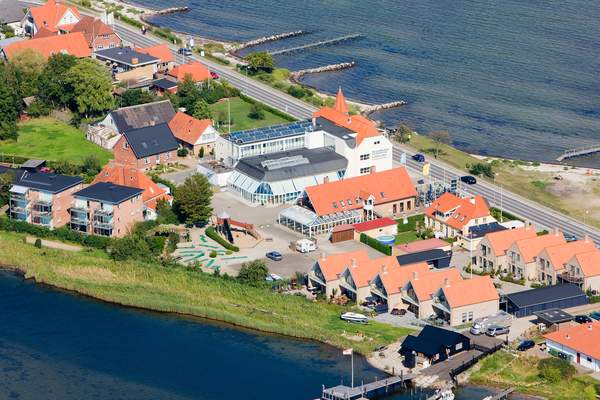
354	317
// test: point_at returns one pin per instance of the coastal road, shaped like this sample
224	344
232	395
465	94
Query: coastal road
535	213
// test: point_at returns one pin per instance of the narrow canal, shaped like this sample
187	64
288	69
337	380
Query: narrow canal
56	345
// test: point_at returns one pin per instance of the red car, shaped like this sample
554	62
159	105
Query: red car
214	75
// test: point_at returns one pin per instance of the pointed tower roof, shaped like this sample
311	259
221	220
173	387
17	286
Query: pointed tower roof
340	102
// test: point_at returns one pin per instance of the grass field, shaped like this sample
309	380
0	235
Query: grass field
504	370
50	139
406	237
182	291
535	185
239	115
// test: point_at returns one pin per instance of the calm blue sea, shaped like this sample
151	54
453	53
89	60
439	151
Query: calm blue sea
509	78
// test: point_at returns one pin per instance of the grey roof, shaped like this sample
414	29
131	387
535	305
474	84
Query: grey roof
433	340
151	140
336	130
142	115
107	192
291	164
543	295
11	40
164	83
270	132
427	255
554	316
11	11
53	183
33	163
127	56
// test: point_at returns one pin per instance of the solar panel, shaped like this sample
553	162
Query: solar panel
270	132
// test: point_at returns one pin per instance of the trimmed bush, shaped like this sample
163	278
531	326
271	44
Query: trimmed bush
211	233
38	243
212	254
556	369
376	244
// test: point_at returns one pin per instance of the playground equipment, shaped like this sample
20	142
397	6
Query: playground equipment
227	226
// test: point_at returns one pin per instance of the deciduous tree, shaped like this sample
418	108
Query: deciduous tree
261	61
192	199
253	273
53	89
91	86
202	110
440	137
28	65
133	97
10	102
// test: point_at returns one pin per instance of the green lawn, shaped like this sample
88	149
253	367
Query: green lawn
50	139
504	370
239	115
179	290
406	237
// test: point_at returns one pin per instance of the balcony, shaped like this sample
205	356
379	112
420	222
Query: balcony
42	207
103	212
566	277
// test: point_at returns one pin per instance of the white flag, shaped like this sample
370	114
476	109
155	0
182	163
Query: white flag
347	352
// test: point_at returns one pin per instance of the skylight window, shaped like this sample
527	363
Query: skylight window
342	203
382	195
335	205
349	202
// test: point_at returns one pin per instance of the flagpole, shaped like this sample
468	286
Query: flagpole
352	364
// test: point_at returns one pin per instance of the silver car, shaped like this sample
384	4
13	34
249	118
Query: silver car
497	330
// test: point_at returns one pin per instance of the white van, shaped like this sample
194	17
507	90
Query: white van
305	246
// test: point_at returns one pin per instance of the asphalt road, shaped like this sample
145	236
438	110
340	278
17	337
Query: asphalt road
529	210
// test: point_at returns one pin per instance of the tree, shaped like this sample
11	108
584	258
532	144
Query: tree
440	137
10	102
260	61
187	95
165	212
6	181
192	199
133	97
253	273
202	110
91	165
481	169
53	89
129	247
403	133
91	86
28	65
256	112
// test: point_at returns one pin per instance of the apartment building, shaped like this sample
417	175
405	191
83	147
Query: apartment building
491	252
106	209
551	260
146	148
522	254
43	199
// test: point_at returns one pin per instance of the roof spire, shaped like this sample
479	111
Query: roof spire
340	102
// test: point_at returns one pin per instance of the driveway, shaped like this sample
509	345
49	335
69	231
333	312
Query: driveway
179	177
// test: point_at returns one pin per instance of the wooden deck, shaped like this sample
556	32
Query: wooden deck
387	385
578	152
503	394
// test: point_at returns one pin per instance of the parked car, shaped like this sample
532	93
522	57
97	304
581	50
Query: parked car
273	278
570	237
274	255
497	330
501	318
214	75
583	319
396	311
418	157
184	51
595	315
526	345
468	179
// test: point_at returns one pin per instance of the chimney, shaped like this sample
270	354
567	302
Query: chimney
568	337
323	256
586	238
349	120
353	262
590	327
556	231
446	282
415	275
326	179
384	269
472	200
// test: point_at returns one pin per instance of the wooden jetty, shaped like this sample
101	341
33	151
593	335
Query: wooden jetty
320	43
582	151
502	395
375	388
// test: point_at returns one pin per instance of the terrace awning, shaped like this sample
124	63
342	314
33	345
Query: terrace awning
16	189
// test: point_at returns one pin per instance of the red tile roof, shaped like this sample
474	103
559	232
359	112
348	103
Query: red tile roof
333	265
160	51
49	15
470	291
530	248
589	263
128	176
394	279
463	209
500	241
423	245
198	72
339	115
92	28
365	271
374	224
583	338
71	43
385	187
562	253
188	129
427	284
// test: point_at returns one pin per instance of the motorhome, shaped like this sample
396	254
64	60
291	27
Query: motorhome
305	246
501	319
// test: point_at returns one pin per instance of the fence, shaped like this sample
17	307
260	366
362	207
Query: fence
485	351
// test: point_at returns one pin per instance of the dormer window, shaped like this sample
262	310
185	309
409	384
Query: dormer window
382	195
342	203
335	205
349	202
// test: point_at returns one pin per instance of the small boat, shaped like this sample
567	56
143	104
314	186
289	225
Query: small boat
446	395
354	317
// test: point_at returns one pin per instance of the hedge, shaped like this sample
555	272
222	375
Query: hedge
62	233
376	244
211	233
